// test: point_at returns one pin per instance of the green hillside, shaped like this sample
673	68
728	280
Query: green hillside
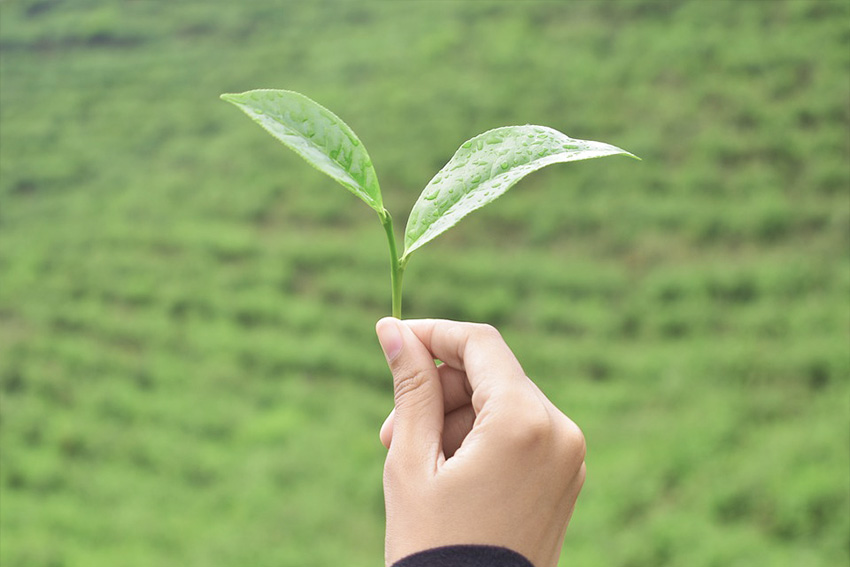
188	368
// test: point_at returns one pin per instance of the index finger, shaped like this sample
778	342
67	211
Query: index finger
477	349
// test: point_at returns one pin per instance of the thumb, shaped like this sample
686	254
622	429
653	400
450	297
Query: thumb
419	415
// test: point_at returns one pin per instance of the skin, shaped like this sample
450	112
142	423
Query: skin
476	453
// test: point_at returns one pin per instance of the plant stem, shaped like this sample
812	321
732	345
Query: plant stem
396	267
398	274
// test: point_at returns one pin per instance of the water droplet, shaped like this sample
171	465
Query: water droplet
467	145
505	165
436	180
430	196
476	179
355	142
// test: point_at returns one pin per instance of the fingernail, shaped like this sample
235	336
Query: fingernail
389	335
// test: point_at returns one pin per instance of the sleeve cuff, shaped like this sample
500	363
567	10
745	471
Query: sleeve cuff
465	556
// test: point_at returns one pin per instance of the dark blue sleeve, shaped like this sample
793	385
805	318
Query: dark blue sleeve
465	556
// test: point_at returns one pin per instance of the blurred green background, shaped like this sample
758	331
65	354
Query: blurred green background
188	366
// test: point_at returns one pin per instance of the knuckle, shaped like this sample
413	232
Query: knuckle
578	442
409	382
456	335
485	330
531	431
572	442
582	475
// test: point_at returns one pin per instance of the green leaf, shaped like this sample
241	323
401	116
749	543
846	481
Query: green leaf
486	166
316	134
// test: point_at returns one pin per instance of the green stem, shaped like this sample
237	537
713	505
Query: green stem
396	267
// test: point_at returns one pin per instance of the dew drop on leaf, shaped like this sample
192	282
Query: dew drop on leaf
490	164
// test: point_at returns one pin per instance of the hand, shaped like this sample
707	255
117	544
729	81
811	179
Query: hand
477	454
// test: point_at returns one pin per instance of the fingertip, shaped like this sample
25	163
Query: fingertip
383	322
389	336
384	319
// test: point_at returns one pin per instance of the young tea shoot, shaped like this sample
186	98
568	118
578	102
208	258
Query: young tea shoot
481	170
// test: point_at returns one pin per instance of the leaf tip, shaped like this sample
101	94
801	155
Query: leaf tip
626	153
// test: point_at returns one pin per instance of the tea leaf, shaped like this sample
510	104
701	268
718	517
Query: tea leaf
317	135
486	166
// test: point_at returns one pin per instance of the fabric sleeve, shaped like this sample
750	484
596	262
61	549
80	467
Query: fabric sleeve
465	556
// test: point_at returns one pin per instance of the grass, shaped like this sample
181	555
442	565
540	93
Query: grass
188	371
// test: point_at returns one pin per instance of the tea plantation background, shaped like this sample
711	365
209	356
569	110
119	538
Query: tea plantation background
188	366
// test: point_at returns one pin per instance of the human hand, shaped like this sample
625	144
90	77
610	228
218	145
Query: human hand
477	454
